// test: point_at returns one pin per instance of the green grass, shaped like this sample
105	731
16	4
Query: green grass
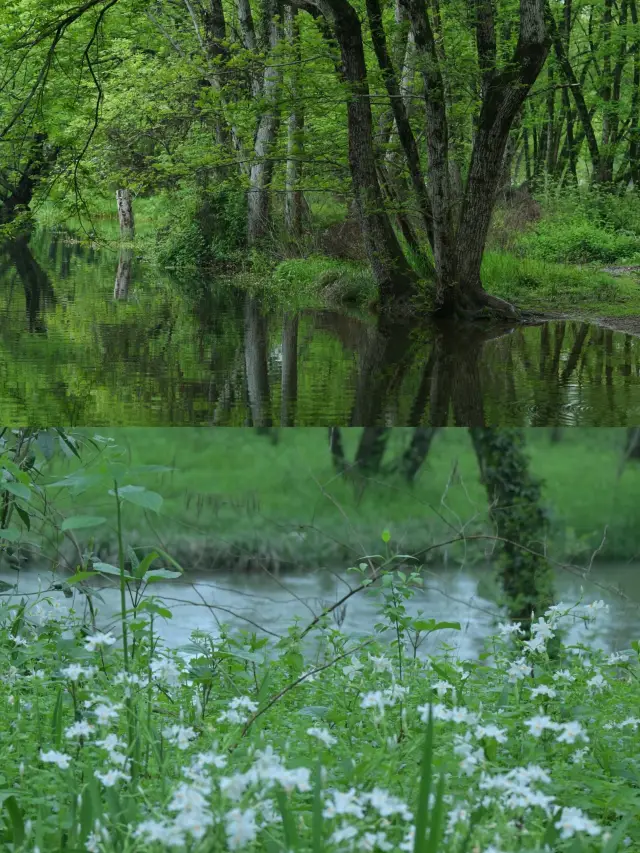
150	214
317	278
235	496
543	286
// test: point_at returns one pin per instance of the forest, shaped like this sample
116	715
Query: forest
462	159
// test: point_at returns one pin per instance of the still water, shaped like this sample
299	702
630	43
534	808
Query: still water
90	338
268	604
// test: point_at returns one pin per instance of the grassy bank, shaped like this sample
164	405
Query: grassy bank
235	499
552	264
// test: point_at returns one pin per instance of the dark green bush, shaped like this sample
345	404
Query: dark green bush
577	241
205	230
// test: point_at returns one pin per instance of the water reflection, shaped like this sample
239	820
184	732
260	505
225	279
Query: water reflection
107	341
269	605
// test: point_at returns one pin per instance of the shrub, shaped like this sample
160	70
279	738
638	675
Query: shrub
577	241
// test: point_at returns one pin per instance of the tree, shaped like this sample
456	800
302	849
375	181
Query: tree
520	521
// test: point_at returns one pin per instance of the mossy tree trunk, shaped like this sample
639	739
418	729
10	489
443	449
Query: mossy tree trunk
519	519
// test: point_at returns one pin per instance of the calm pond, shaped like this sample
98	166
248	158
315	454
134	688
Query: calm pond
269	605
86	341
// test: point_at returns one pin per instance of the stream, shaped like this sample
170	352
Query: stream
85	342
269	604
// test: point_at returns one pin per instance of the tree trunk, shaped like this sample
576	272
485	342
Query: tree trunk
289	369
123	274
516	511
576	89
255	349
393	275
437	139
337	450
405	133
632	449
634	112
38	290
505	95
373	443
414	456
259	202
125	214
293	200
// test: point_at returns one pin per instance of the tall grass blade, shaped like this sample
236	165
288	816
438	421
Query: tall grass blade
422	807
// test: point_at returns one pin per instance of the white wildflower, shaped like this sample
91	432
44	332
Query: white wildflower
81	728
98	641
571	731
352	669
110	778
241	828
574	820
322	734
53	757
539	723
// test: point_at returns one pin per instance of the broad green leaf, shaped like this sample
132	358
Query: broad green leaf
17	489
78	522
154	607
108	569
67	443
144	564
24	516
11	534
159	575
139	496
80	576
314	710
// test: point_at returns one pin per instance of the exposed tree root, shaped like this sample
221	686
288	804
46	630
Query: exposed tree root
471	304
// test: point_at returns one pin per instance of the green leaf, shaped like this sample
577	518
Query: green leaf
78	522
108	569
153	607
11	534
81	576
437	818
139	496
160	574
386	536
17	489
314	710
24	516
17	821
67	443
288	824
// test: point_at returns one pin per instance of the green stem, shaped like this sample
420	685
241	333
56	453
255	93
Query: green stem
123	606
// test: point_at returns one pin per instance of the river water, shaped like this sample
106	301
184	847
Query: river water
84	342
270	604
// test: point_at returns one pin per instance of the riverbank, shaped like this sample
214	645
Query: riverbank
557	263
235	500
